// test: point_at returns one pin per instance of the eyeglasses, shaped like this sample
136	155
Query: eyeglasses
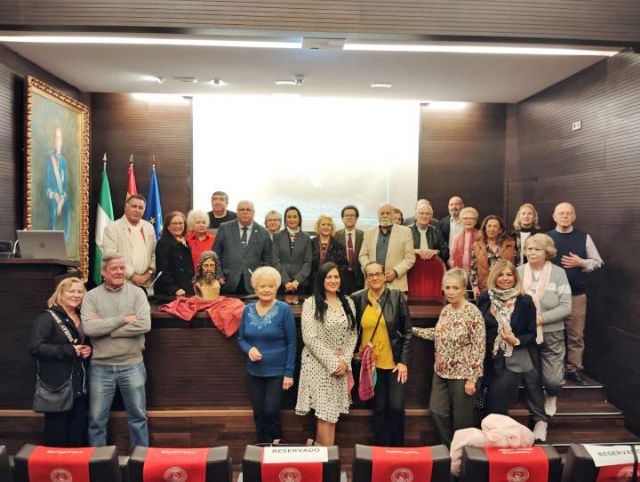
378	274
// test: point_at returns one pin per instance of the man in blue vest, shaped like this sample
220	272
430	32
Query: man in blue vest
578	255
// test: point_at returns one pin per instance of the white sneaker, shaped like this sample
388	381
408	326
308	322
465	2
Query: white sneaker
550	405
540	431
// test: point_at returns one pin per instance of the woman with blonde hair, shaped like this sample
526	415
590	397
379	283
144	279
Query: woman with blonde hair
61	351
510	321
460	252
460	339
325	248
524	225
549	287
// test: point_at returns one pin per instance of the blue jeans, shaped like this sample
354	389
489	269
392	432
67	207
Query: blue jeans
130	379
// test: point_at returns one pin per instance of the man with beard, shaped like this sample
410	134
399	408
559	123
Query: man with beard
390	245
206	282
451	225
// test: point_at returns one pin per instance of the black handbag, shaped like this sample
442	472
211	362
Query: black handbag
48	399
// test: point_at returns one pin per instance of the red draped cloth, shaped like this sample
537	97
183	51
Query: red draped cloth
225	313
425	278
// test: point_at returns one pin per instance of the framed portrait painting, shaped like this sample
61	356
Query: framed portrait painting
57	167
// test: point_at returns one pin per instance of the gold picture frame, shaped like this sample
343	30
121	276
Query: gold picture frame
56	174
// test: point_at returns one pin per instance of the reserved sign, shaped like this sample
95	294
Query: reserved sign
605	455
305	454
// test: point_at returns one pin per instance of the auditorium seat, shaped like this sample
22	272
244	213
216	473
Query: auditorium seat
102	463
425	279
580	467
177	463
252	463
476	466
123	463
363	463
5	468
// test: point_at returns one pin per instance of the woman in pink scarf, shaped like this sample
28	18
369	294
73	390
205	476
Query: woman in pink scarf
462	248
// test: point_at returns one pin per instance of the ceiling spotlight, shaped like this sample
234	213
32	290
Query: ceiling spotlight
381	85
217	82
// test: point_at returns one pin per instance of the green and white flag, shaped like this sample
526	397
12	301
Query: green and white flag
104	216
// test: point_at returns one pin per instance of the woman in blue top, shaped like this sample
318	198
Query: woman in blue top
268	336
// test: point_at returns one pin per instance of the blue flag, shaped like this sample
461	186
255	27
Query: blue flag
153	212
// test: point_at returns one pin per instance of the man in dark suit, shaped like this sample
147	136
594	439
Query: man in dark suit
351	239
452	220
242	246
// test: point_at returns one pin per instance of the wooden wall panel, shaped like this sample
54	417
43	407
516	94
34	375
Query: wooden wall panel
13	70
597	169
462	152
123	126
596	20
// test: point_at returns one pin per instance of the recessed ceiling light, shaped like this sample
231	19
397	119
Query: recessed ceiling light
286	96
479	49
381	85
286	82
166	98
217	82
187	79
142	40
154	78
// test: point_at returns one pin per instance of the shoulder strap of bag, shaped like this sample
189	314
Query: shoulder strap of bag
64	329
70	338
379	317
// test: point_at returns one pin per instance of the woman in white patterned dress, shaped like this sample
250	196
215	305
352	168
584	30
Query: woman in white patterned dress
329	335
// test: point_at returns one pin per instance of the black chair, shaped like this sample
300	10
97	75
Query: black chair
103	465
218	464
362	463
5	467
579	465
475	466
252	464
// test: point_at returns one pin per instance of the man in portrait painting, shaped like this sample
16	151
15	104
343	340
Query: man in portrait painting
57	187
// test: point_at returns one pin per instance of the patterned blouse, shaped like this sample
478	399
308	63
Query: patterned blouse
460	341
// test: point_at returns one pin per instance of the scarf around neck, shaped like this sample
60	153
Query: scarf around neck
503	302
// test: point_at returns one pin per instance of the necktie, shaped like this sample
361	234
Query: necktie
243	240
350	249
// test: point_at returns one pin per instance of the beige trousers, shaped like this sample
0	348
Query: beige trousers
574	327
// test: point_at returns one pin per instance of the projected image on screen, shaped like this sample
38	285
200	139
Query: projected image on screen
316	154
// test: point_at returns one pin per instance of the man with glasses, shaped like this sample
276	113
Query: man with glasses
390	245
351	239
242	246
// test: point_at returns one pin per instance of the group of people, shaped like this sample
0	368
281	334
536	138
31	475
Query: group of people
529	286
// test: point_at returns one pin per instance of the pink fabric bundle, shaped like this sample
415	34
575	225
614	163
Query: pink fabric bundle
497	431
225	313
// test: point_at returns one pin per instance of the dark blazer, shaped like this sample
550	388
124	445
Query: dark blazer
176	263
435	239
445	226
237	260
292	264
335	253
55	355
355	275
397	318
519	245
523	321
